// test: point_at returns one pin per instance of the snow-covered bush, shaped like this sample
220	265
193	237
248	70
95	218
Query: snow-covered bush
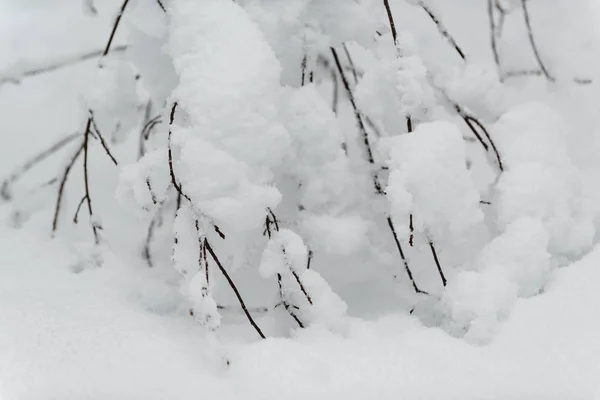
299	155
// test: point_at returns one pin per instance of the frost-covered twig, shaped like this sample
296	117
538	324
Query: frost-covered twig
5	191
288	307
233	287
174	181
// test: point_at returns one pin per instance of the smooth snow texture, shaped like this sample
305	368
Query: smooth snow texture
547	349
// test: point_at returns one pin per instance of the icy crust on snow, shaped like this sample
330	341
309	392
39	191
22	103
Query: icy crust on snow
541	181
429	179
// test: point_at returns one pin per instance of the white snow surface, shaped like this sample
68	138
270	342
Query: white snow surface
91	336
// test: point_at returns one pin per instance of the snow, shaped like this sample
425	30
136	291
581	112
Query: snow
546	349
256	187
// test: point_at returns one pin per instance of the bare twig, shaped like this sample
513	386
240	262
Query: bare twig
86	180
53	66
334	82
115	27
76	216
162	7
494	36
303	67
358	117
404	260
489	138
442	29
233	287
536	52
351	62
538	72
388	10
147	251
437	262
145	121
102	141
62	186
19	172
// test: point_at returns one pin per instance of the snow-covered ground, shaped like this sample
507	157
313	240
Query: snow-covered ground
90	336
71	330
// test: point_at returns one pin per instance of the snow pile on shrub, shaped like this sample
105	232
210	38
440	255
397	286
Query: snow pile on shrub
304	291
540	180
430	181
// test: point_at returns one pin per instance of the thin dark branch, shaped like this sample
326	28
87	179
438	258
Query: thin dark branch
102	141
411	227
309	259
388	10
76	216
538	72
351	62
86	180
489	138
233	287
442	29
152	194
303	67
62	186
162	7
302	288
463	115
115	27
147	252
286	305
53	66
494	36
399	247
256	310
359	120
171	170
146	121
19	172
536	52
437	263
